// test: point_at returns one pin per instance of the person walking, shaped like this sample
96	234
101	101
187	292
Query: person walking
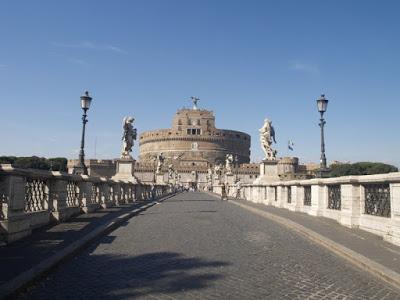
238	188
224	195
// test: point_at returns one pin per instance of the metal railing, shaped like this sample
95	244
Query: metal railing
377	200
334	197
307	196
289	194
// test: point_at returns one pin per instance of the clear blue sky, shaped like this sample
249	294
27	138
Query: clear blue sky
246	60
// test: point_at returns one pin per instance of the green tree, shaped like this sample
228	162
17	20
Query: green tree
32	162
7	159
361	168
58	164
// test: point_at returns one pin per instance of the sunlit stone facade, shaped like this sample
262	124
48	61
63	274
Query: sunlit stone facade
194	140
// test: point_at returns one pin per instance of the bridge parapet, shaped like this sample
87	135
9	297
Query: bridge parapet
33	198
368	202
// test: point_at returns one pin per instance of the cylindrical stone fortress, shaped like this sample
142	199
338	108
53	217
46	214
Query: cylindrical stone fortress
194	138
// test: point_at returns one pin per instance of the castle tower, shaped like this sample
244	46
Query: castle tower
194	139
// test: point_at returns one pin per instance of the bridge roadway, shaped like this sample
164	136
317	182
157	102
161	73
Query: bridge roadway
194	246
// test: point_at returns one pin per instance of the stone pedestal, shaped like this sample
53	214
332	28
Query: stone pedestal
125	170
217	189
160	179
268	172
230	179
393	234
319	199
61	211
350	205
14	223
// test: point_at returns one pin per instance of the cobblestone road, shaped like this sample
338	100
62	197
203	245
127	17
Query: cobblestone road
193	246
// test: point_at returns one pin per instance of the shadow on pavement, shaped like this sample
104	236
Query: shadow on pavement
24	254
190	200
119	277
178	212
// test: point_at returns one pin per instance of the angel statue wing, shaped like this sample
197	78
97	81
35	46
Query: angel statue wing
124	121
273	134
123	126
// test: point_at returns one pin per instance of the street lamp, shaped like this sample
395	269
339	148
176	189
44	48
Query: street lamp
85	104
322	105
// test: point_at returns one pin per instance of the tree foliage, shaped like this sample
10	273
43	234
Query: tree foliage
7	159
58	164
34	162
361	168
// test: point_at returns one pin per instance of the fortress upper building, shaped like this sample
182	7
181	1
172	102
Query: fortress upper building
193	140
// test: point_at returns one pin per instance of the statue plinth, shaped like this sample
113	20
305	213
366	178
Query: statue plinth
160	178
125	170
268	172
230	178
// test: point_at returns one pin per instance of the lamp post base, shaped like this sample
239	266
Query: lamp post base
323	173
80	169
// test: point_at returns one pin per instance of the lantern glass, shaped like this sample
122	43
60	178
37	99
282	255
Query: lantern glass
322	104
85	101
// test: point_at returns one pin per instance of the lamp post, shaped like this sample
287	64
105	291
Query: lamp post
322	105
85	104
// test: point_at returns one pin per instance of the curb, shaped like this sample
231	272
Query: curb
24	279
374	268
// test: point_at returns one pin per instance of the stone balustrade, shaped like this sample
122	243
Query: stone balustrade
369	202
33	198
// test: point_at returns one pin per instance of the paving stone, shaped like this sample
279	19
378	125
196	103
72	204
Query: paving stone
193	246
22	255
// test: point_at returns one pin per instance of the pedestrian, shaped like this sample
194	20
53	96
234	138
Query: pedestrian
238	188
224	196
153	192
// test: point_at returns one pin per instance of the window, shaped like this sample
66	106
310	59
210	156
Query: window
193	131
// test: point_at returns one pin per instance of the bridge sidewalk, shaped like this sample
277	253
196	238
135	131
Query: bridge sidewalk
364	243
25	260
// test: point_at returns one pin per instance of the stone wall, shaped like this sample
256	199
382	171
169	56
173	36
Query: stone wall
96	167
32	198
369	202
